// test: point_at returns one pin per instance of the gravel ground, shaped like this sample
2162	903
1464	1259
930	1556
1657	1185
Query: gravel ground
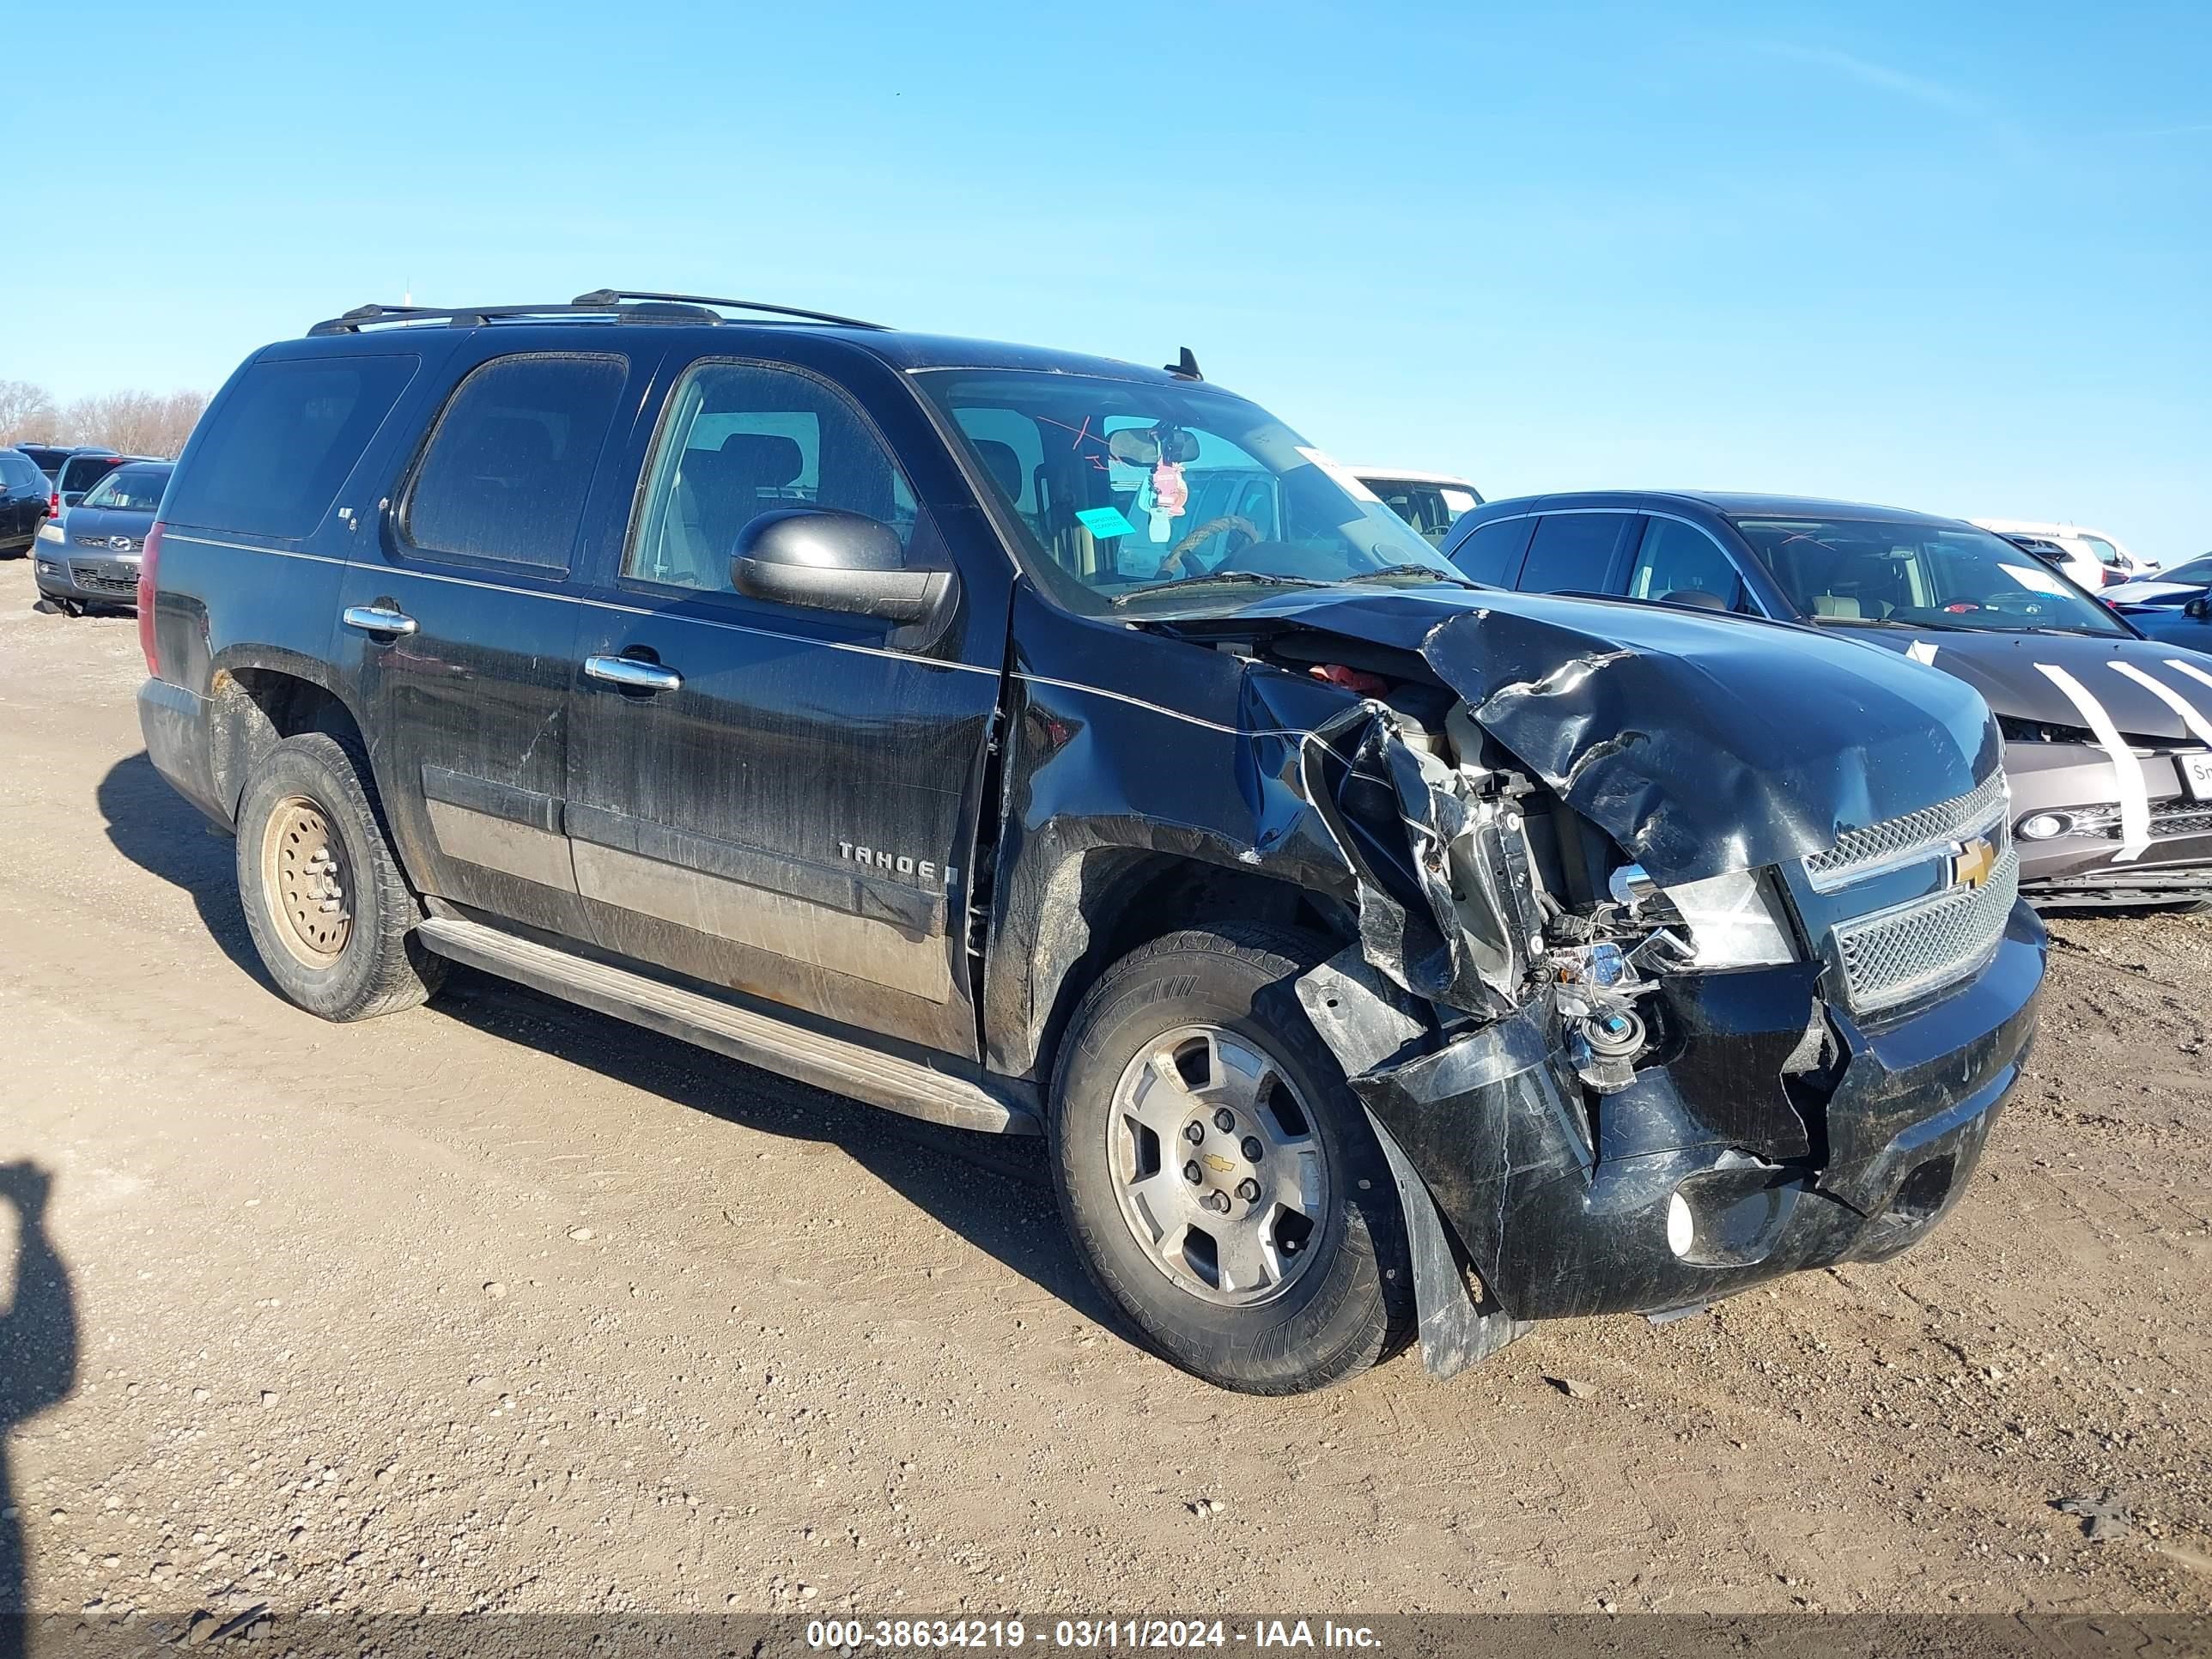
499	1304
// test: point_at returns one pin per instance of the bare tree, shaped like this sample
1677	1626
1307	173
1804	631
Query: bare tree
135	422
26	411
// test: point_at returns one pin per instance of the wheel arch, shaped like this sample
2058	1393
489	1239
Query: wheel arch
254	704
1094	905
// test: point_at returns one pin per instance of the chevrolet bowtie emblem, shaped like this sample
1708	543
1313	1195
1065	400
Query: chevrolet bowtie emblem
1972	861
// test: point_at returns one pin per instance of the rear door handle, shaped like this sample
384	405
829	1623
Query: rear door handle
379	619
633	675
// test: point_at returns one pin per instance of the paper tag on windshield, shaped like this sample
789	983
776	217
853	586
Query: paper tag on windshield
1344	479
2037	579
1104	521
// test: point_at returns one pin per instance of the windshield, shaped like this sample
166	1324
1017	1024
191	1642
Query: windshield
1869	571
131	489
1431	508
1158	498
80	472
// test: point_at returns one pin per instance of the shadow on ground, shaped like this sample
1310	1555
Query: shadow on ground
38	1369
992	1191
153	826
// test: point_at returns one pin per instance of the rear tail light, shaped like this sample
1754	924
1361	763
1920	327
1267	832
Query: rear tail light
54	503
149	559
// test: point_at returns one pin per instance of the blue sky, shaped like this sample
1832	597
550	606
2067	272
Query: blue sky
1955	257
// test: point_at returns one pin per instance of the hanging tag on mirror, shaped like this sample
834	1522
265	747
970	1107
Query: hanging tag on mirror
1171	497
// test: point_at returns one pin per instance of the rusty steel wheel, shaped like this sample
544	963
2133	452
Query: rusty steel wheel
304	882
331	911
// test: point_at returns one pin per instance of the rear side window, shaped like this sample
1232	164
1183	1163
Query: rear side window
1572	552
19	473
1492	553
511	461
271	457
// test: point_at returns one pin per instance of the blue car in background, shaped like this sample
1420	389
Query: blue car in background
2173	606
2188	623
90	555
2168	589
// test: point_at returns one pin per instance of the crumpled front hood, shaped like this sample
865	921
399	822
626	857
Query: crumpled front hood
2010	672
1701	743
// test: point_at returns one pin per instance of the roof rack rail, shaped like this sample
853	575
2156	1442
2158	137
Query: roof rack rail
460	317
599	302
608	296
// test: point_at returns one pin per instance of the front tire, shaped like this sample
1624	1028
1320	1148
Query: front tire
1281	1265
330	913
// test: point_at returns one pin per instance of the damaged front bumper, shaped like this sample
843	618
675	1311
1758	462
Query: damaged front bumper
1669	1193
1683	960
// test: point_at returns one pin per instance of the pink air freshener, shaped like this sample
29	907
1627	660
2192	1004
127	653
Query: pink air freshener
1170	495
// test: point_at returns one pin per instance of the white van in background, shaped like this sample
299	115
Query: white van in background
1427	500
2093	559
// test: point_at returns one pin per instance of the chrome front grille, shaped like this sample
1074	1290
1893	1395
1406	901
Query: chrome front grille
1898	954
2168	819
1859	853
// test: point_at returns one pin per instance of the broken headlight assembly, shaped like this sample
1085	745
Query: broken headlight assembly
1731	920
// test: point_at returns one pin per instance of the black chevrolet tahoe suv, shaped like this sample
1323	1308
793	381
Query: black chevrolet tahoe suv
1041	744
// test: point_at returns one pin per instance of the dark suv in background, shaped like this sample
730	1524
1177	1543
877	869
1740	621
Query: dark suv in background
1036	743
2108	734
24	500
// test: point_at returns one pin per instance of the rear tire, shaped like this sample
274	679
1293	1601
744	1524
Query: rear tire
1192	1054
329	908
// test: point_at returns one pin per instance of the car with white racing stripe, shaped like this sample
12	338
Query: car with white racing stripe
2108	734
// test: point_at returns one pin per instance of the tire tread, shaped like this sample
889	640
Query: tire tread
401	973
1376	1232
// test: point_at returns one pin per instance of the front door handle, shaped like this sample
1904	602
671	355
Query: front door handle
379	619
632	674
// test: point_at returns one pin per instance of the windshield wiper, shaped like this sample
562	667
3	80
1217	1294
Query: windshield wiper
1425	571
1257	578
1886	621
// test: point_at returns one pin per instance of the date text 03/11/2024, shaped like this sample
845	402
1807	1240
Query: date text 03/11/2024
1082	1634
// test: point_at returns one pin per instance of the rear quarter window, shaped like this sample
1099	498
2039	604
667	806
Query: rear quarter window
270	458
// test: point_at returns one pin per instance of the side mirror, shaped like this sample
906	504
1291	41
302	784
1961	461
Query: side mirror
829	560
2200	607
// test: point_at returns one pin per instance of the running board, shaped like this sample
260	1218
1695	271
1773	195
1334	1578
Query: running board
827	1062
